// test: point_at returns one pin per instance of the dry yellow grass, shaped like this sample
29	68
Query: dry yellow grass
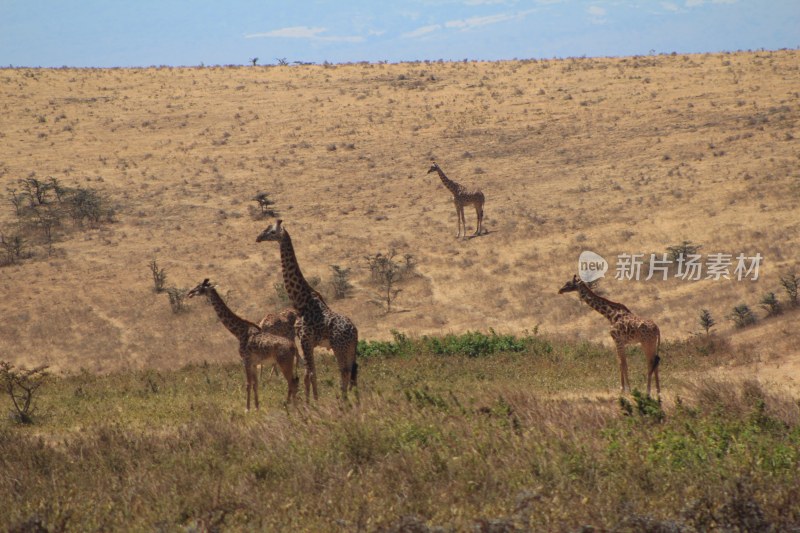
612	155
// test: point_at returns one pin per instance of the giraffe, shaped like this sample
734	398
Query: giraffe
626	328
462	197
255	345
317	324
282	325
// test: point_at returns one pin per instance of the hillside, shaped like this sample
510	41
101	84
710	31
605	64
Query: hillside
614	155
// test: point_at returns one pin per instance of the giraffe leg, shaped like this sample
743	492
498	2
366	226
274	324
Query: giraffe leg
653	362
247	384
341	355
650	356
655	373
354	377
479	212
623	365
311	374
458	220
254	386
463	220
345	377
287	368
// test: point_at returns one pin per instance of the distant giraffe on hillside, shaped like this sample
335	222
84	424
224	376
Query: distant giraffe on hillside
626	328
255	346
462	197
317	324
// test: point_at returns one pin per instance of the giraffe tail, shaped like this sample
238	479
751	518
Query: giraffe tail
657	358
354	373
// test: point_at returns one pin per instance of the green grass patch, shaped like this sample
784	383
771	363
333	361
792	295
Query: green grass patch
514	440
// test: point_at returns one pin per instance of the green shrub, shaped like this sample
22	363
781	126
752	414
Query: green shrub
771	304
706	320
742	316
473	344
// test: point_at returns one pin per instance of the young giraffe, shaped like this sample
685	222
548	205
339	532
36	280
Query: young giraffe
462	197
280	324
317	324
625	328
255	346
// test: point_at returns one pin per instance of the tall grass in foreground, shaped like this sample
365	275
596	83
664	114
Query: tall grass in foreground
509	441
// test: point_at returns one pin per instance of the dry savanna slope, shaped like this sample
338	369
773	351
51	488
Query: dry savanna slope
616	155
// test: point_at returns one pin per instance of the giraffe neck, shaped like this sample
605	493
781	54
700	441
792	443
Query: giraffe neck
234	323
450	184
613	311
298	289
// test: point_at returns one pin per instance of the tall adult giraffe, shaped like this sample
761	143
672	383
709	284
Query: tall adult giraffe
255	346
317	324
626	328
462	197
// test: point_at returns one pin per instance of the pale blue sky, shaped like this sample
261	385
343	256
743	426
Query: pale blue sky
109	33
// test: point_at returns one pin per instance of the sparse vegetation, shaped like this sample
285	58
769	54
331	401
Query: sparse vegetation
498	451
505	431
21	386
771	304
42	206
159	276
14	249
265	204
386	272
340	282
471	344
177	299
682	251
790	283
706	321
742	316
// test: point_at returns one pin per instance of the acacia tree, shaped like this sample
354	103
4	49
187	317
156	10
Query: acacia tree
21	386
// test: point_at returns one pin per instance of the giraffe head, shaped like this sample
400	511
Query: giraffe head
273	233
201	289
434	167
571	286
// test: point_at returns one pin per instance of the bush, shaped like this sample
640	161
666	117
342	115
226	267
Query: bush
682	250
159	276
471	344
771	304
14	249
177	299
706	320
742	316
21	386
401	345
386	272
790	283
41	206
341	282
265	205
